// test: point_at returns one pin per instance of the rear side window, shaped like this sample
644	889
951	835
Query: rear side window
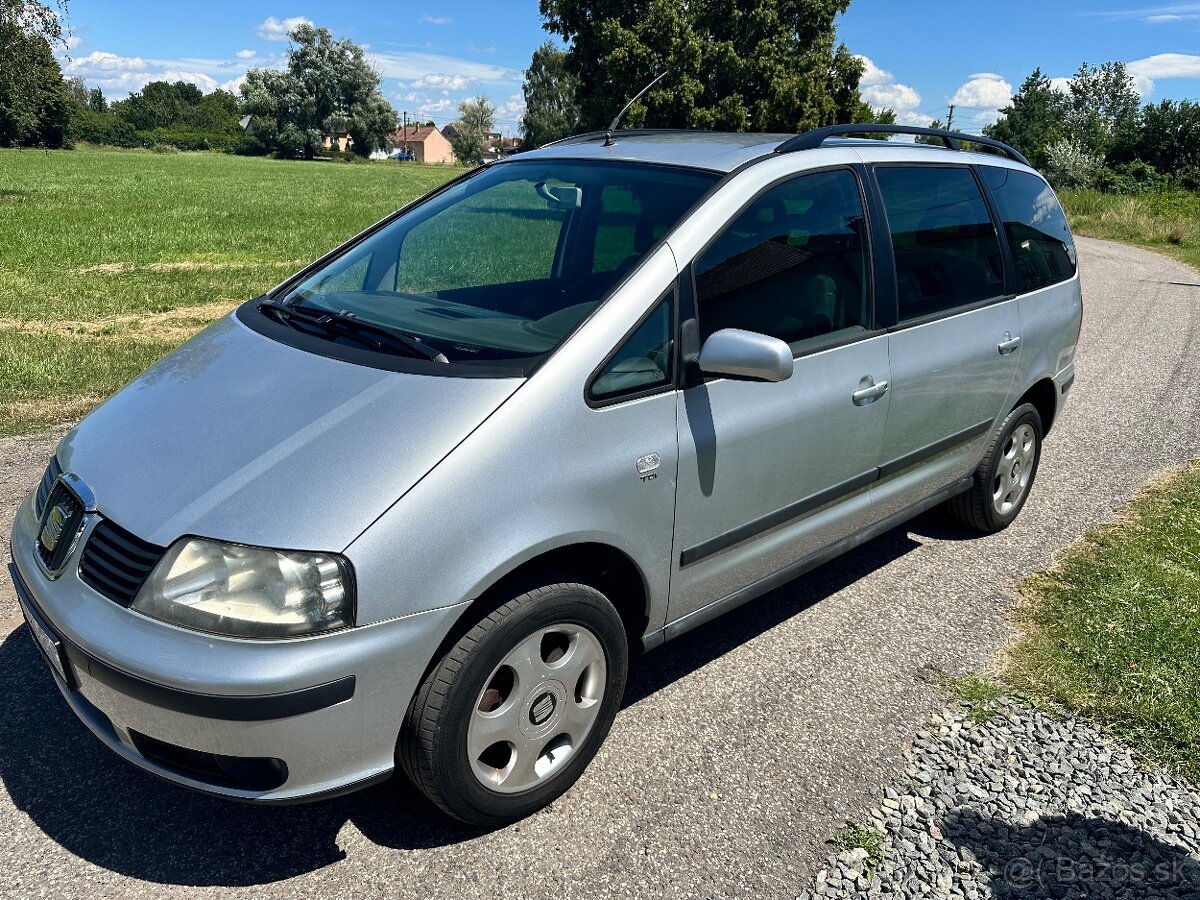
947	252
1038	235
792	265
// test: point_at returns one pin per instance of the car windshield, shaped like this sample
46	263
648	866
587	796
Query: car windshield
502	266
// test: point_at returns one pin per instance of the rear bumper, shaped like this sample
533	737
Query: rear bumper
264	721
1064	380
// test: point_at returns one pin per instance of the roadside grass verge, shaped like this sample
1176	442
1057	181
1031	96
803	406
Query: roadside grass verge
1167	222
108	260
1112	632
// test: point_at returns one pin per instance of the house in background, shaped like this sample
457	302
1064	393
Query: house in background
427	143
340	142
496	146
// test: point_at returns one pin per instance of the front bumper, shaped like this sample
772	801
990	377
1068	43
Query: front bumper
268	721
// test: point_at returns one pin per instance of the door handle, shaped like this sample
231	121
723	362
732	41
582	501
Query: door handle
1009	344
870	394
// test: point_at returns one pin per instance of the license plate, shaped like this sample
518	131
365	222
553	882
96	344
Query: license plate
49	645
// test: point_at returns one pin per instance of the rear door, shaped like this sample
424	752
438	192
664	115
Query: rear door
956	341
769	473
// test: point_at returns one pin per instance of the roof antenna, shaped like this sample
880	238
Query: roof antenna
608	135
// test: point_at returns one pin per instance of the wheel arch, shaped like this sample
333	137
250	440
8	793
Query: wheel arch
1043	396
602	566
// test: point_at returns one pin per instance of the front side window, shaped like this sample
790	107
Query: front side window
1039	238
499	268
793	265
643	361
946	249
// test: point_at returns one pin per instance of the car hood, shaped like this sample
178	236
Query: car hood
238	437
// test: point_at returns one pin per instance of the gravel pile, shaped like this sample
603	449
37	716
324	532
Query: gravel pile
1027	806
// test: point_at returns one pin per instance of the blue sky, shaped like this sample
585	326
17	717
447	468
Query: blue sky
920	57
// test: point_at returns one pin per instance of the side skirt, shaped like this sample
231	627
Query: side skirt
798	568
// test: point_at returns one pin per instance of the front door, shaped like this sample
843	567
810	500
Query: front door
772	472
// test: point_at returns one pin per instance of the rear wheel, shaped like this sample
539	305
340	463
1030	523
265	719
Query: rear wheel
1004	477
512	715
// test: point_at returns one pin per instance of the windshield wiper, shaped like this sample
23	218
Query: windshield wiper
370	334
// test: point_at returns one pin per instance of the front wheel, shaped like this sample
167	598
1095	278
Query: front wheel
1004	477
512	715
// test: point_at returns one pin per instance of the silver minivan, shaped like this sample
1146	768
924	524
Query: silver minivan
419	504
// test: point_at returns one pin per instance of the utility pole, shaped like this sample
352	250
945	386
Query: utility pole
950	119
406	131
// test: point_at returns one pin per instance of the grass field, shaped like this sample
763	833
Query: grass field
109	259
1113	631
1168	223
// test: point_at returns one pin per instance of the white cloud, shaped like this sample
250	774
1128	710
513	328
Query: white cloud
436	20
119	75
872	74
984	93
891	96
1167	18
510	111
442	82
911	117
413	65
434	108
245	54
1148	70
74	41
103	61
273	29
1162	65
881	91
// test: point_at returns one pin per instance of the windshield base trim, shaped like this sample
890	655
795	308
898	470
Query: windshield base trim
260	322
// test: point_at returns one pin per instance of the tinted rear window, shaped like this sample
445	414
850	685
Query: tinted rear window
947	252
1038	235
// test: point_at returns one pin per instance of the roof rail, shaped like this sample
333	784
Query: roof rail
811	140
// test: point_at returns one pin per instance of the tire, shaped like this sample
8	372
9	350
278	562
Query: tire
514	712
996	497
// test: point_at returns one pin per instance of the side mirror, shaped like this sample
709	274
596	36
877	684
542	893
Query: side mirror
746	354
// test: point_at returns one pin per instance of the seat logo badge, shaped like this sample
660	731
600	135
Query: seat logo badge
53	529
647	466
542	709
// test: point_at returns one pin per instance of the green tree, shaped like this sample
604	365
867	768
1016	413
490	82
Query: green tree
865	115
937	124
77	92
551	98
33	97
765	65
1168	139
160	104
476	117
328	88
1103	107
216	112
1034	120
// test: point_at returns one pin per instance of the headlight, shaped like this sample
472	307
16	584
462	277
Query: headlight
248	591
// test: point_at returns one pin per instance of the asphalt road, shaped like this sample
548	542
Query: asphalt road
742	746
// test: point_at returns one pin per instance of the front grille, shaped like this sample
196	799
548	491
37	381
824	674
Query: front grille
58	527
117	563
43	492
